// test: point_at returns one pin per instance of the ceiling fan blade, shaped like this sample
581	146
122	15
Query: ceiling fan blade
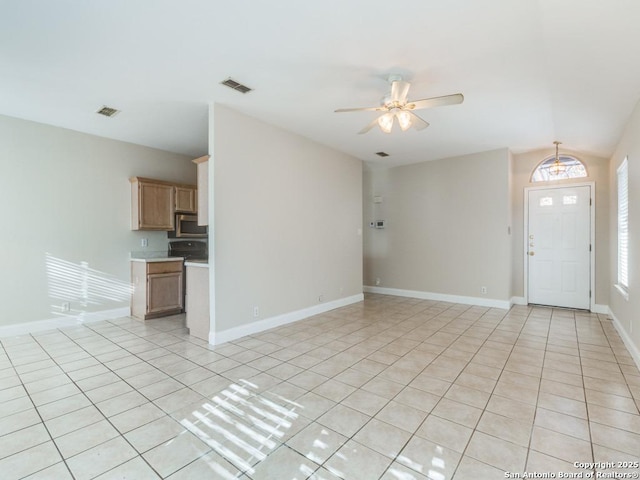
399	91
436	102
368	127
364	109
418	123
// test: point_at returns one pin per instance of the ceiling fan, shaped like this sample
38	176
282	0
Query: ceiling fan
395	105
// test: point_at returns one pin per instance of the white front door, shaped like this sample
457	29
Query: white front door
559	247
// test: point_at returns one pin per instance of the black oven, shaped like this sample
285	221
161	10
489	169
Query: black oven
189	250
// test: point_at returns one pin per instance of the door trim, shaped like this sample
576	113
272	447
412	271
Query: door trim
592	239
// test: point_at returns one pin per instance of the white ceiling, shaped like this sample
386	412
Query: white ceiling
531	71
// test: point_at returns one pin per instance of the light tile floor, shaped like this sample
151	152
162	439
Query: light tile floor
391	388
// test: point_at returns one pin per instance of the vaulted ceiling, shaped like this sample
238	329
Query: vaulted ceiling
531	71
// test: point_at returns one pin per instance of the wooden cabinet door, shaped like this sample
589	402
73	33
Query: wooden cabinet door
155	206
186	199
164	292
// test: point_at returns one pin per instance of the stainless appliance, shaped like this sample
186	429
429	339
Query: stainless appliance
187	227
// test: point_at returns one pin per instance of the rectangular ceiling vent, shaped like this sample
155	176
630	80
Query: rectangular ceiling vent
231	83
108	111
382	154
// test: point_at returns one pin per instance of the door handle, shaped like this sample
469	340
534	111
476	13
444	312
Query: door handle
531	254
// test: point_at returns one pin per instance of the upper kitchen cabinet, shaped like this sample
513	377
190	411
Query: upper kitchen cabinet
186	199
152	204
203	189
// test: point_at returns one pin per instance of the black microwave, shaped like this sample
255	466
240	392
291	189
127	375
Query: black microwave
186	226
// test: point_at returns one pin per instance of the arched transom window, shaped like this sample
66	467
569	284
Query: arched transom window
566	167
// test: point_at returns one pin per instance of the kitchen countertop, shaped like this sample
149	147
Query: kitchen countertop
197	263
153	257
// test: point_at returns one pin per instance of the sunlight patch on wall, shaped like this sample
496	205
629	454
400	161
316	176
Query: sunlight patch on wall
75	286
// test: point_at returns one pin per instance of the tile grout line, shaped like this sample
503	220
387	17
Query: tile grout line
535	412
400	314
166	414
462	455
322	465
351	438
441	354
437	356
584	387
44	425
92	404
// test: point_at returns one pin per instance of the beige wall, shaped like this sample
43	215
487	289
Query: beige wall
287	212
66	200
523	166
447	226
626	311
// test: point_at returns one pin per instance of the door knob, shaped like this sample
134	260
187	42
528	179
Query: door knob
531	254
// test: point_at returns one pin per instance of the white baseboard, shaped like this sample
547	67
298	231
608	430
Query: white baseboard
440	297
633	349
518	301
216	338
62	322
603	309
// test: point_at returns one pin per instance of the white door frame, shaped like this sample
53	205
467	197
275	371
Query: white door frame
592	240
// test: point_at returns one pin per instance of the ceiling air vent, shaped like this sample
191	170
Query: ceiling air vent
108	111
382	154
229	82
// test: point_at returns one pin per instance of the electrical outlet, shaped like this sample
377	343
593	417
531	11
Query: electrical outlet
377	281
66	306
144	242
256	311
483	290
321	298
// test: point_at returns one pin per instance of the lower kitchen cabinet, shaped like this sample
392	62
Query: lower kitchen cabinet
157	288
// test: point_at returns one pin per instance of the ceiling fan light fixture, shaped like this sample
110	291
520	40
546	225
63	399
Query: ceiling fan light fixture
404	119
395	104
385	122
